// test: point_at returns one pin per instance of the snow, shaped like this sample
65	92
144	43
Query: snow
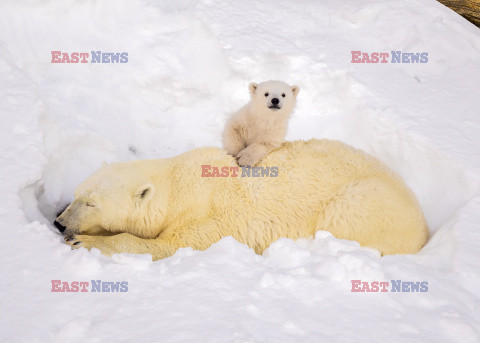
189	66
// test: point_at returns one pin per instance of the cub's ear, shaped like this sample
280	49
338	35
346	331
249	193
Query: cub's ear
144	193
295	90
252	87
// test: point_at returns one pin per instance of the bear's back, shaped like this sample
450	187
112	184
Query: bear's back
326	161
303	168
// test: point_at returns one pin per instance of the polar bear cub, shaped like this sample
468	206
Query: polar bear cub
260	126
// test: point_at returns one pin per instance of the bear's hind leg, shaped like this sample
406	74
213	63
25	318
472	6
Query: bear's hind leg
376	212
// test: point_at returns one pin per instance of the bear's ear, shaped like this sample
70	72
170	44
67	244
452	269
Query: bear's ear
295	90
252	87
145	192
104	164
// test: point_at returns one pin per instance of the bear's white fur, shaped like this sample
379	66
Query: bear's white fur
260	126
159	206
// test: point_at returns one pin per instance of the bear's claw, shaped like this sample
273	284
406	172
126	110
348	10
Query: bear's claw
88	242
73	241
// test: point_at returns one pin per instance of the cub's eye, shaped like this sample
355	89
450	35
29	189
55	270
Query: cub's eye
89	204
266	94
283	95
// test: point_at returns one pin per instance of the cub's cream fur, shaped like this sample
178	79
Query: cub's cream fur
159	206
261	125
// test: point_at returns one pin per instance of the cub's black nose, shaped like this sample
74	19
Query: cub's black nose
275	101
59	226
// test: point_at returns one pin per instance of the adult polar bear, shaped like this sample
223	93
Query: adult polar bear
159	206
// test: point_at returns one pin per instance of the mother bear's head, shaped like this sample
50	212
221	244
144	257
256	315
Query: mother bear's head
119	197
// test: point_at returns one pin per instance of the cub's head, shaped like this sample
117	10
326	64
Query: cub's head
117	198
273	97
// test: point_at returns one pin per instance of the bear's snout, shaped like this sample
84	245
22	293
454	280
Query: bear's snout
59	226
275	104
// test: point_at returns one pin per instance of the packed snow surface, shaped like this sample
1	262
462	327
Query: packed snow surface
189	64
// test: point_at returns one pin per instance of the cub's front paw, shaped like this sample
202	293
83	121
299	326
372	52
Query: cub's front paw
245	158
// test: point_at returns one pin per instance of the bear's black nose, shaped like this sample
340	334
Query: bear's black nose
275	101
59	226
